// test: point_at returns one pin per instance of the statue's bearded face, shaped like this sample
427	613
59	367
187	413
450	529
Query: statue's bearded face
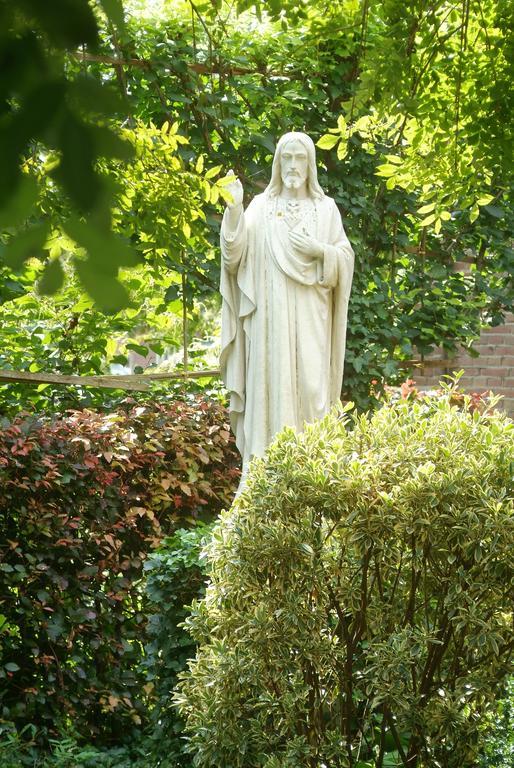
294	165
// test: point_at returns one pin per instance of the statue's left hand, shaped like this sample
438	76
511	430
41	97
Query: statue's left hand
307	245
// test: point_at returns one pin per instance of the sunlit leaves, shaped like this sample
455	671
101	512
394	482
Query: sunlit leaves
377	104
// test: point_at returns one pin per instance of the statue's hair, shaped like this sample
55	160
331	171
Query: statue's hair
274	187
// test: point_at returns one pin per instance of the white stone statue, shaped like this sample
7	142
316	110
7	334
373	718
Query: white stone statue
286	275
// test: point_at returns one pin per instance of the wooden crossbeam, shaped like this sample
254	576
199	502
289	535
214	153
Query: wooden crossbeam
203	69
142	382
136	382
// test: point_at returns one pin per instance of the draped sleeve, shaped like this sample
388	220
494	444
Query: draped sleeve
336	267
238	303
337	273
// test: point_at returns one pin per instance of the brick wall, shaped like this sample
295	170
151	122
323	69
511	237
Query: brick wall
492	370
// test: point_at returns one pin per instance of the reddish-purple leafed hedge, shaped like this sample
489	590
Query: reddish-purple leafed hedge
83	499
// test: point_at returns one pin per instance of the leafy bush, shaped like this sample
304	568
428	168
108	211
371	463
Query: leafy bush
360	610
20	750
499	744
175	576
83	500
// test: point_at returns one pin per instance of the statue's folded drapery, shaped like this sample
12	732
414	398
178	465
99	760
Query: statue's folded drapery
283	319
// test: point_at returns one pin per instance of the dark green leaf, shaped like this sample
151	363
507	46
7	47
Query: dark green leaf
20	204
28	243
68	23
51	279
114	11
106	290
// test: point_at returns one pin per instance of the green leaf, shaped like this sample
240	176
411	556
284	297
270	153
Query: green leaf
495	211
264	141
94	97
342	150
106	290
428	220
76	171
328	141
139	348
21	203
114	12
68	23
27	244
107	251
213	171
426	208
51	279
107	143
11	667
386	170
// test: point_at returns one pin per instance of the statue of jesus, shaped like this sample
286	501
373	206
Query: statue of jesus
286	275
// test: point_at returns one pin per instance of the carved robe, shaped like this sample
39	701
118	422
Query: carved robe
283	318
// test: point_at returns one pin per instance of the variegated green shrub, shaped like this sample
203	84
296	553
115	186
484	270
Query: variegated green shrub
360	610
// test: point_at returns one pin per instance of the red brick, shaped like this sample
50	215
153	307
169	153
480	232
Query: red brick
494	382
490	338
468	363
487	349
486	360
477	382
508	361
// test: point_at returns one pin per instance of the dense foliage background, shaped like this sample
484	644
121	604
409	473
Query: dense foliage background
415	137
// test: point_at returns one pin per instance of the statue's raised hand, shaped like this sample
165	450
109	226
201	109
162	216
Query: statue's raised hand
235	188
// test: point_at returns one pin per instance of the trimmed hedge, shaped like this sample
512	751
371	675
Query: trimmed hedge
83	500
